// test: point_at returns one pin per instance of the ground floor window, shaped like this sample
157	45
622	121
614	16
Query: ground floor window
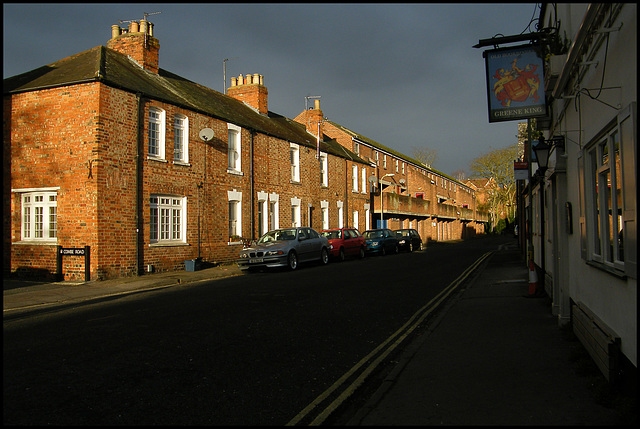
39	215
605	199
167	219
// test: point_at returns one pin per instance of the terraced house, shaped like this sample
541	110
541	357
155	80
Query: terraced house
106	151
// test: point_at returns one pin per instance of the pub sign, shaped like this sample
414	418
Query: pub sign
515	83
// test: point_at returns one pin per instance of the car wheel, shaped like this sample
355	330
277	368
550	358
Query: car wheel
362	253
292	260
324	256
341	256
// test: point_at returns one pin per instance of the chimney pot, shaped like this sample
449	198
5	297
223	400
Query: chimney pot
143	26
115	31
240	80
256	78
233	81
317	104
134	27
261	80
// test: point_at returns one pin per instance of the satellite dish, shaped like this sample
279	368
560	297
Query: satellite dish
372	179
206	134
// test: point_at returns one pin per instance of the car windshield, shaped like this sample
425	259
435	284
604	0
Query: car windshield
278	235
330	235
372	234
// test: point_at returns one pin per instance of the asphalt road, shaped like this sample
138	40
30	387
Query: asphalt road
256	349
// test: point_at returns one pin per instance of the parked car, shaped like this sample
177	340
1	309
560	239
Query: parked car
286	247
381	241
409	239
345	242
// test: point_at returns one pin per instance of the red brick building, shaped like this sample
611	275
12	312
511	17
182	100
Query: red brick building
106	149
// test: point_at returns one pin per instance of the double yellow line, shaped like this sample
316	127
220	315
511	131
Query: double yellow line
386	347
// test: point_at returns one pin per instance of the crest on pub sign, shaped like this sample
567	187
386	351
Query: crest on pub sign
515	84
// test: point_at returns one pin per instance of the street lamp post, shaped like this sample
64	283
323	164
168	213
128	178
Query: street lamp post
382	199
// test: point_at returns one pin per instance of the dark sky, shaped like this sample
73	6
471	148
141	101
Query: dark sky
404	75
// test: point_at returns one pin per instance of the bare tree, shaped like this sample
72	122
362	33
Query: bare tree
425	155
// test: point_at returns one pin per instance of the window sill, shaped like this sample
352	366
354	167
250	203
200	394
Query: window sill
36	242
181	163
168	244
295	182
155	158
235	172
608	269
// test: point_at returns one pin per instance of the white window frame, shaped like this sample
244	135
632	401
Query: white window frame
384	161
367	220
324	169
296	214
263	213
363	179
340	214
181	139
274	211
294	151
354	178
167	219
234	149
39	215
603	176
234	214
324	214
355	219
156	135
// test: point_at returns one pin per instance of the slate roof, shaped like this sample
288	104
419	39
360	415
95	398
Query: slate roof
390	151
114	69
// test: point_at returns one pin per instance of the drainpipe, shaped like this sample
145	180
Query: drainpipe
252	187
139	180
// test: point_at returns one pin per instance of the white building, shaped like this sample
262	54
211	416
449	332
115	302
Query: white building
585	232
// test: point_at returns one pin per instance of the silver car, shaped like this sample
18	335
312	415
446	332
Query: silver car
285	247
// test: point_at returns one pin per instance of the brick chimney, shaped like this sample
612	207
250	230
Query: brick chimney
312	119
137	42
251	90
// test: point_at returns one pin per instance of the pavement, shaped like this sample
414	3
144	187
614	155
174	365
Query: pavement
493	356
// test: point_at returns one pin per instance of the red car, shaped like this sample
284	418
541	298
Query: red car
345	242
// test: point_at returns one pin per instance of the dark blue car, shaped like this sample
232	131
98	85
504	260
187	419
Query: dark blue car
381	241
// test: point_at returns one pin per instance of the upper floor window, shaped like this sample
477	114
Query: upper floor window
156	132
397	166
294	151
363	180
377	156
354	178
234	149
324	170
39	216
384	162
181	139
356	148
167	219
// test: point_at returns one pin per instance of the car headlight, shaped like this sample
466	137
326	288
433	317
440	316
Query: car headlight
375	243
274	253
401	242
244	256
